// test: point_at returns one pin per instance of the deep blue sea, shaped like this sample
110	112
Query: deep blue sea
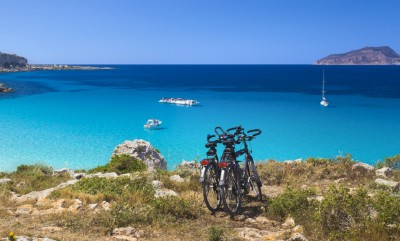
75	119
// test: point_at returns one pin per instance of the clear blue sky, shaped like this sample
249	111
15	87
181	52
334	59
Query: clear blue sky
194	31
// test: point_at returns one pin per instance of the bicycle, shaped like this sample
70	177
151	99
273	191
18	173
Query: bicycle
229	183
209	176
232	177
250	175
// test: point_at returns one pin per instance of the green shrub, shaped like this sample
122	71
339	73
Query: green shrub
121	164
345	160
392	162
37	169
113	189
341	211
388	207
292	202
215	234
317	161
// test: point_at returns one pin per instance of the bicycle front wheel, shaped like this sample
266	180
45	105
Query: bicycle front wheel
230	191
254	179
211	193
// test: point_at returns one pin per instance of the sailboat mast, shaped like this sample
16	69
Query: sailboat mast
323	84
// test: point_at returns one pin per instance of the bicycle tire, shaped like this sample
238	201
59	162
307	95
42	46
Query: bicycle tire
231	190
210	186
254	179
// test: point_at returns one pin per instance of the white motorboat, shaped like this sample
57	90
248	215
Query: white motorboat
179	101
323	102
152	123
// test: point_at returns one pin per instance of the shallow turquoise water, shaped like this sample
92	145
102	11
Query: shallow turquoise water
78	125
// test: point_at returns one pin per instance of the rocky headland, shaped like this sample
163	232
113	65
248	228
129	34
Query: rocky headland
15	63
133	197
365	56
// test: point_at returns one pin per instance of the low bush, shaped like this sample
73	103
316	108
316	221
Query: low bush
37	169
139	189
215	234
388	207
121	164
392	162
28	178
341	212
293	202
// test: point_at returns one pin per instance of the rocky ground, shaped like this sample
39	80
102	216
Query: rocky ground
167	205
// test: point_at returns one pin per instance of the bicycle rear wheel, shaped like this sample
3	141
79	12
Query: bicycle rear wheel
230	191
254	179
211	193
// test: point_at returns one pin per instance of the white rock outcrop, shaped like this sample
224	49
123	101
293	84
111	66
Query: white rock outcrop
144	151
392	184
384	172
359	166
4	180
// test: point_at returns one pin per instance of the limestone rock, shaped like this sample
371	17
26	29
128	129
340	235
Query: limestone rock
76	205
61	171
26	209
4	180
392	184
125	238
105	175
105	205
176	178
298	229
289	222
123	231
384	172
251	233
188	164
93	206
42	194
359	166
298	237
254	234
157	184
144	151
164	193
299	160
262	220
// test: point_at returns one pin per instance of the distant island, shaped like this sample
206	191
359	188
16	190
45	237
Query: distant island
366	56
15	63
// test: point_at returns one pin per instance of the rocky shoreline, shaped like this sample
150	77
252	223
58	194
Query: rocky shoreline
5	89
29	68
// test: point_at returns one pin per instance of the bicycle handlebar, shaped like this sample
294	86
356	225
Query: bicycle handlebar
219	131
238	129
209	139
258	132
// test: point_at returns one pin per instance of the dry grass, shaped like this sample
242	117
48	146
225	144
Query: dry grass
186	217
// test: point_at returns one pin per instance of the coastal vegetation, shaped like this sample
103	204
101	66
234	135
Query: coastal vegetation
319	199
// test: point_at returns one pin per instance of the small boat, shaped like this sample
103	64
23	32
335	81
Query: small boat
152	123
323	102
179	101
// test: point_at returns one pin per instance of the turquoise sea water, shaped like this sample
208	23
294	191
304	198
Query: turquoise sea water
75	119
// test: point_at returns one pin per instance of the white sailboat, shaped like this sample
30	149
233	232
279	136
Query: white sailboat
323	102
